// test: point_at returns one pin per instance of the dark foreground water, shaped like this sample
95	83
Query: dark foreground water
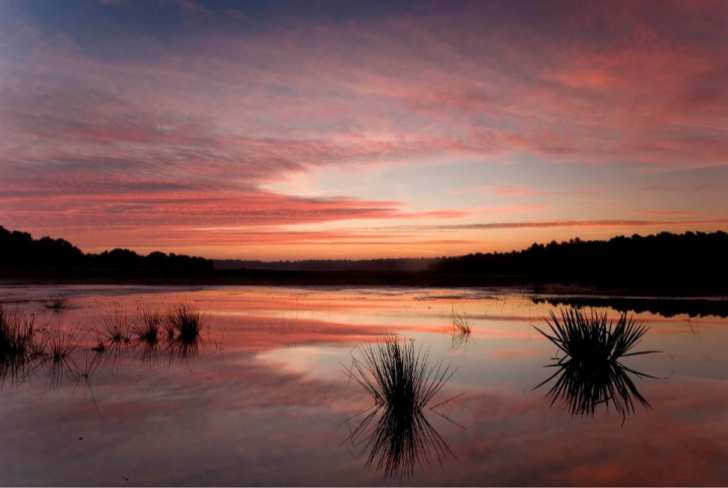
265	397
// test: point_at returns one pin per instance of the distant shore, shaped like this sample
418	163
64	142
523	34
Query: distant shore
665	302
529	284
661	265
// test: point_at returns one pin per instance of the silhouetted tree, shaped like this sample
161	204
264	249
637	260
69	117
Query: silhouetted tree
691	260
20	250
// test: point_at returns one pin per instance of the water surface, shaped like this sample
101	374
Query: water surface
265	400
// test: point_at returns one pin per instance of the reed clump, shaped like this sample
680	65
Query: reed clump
56	303
149	329
395	432
16	333
116	329
184	328
460	324
59	347
18	344
590	372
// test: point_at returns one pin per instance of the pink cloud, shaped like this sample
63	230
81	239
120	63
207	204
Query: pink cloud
182	136
580	223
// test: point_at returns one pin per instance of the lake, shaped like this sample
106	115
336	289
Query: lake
270	395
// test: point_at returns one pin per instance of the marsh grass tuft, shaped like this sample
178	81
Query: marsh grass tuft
116	330
113	336
149	329
16	333
148	333
56	303
461	329
590	372
59	347
18	346
460	323
395	432
184	327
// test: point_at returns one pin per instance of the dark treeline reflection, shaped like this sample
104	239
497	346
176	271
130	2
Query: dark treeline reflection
589	373
394	434
666	308
59	355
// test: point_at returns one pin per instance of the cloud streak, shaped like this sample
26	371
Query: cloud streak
183	122
577	223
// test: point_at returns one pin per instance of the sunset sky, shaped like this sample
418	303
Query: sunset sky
336	129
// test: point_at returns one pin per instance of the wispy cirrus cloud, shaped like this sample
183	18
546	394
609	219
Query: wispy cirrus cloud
615	223
181	123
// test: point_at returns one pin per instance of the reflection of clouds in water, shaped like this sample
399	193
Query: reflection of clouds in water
246	415
241	432
209	414
654	448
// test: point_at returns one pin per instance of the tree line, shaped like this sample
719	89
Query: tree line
695	260
690	263
21	250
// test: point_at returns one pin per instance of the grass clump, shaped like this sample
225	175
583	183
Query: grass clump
113	335
149	330
16	334
183	329
186	322
18	347
461	329
56	303
58	350
395	432
116	330
590	372
60	346
460	323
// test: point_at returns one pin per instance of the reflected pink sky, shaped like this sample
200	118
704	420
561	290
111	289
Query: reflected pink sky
266	401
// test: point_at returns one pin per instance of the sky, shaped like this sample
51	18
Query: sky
294	129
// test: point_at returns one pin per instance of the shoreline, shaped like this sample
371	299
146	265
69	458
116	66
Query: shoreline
537	285
557	296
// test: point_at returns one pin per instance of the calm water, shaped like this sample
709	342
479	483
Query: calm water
266	399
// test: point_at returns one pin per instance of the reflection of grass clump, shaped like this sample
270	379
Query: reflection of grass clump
396	433
590	372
